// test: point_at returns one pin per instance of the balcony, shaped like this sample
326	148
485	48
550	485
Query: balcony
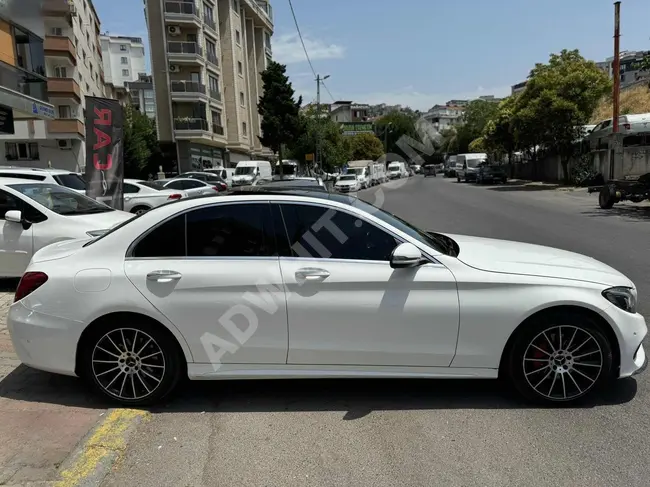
57	8
16	79
187	124
67	126
63	88
184	52
182	13
218	129
187	90
215	95
260	11
212	59
61	47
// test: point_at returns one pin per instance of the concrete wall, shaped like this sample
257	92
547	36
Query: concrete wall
635	162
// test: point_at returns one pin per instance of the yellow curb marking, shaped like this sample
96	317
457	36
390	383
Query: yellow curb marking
108	438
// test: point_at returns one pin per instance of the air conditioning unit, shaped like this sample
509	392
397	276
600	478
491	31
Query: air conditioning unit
174	30
65	144
173	68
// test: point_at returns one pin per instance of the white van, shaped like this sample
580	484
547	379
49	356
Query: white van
362	170
247	172
290	169
467	166
397	170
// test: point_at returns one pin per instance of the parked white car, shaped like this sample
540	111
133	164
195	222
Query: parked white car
141	196
193	187
35	214
348	183
256	286
61	177
225	173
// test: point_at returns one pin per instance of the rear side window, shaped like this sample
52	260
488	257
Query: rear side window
72	181
130	188
175	185
240	230
193	184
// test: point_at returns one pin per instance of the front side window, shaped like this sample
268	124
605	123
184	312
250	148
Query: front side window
320	232
61	200
238	230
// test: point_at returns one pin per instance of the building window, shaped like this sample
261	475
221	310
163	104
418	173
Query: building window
208	13
211	49
21	151
60	72
235	5
57	31
244	129
240	68
237	37
29	52
123	47
87	88
241	98
124	60
64	111
216	117
125	72
87	37
213	83
148	94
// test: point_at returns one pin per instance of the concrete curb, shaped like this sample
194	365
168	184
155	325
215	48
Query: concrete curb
93	459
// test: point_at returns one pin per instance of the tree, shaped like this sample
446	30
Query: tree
281	122
140	142
365	146
499	132
392	127
558	100
449	141
333	153
477	145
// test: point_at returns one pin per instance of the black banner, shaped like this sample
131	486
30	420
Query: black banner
104	151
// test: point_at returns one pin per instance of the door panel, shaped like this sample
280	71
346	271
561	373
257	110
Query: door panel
16	243
214	272
366	313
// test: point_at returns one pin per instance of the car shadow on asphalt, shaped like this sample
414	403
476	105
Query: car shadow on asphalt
629	212
523	187
357	397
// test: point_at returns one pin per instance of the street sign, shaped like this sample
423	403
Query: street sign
309	157
354	128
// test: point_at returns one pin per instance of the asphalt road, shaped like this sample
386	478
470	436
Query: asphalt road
419	433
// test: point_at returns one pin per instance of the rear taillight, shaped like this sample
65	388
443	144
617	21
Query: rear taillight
216	188
175	196
29	283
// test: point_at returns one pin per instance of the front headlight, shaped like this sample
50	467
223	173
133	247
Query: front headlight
622	297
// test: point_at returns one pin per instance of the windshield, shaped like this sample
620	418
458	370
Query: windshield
287	169
442	244
61	200
350	177
474	162
72	181
242	171
393	168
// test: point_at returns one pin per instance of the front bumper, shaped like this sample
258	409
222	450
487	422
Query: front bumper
630	330
42	341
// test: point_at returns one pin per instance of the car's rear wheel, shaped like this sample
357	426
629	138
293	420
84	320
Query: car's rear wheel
560	358
607	197
133	363
139	210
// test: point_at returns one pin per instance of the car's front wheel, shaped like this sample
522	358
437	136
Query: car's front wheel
560	358
139	210
133	363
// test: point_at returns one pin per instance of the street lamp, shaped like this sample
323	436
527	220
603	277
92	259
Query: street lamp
319	80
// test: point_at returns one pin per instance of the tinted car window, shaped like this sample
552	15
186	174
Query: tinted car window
193	184
318	232
243	230
8	202
166	240
175	185
72	181
130	188
14	175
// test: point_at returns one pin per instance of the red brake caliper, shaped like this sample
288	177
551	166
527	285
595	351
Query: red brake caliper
540	355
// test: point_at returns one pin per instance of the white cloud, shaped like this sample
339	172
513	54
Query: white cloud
287	49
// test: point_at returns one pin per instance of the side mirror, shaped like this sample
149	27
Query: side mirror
406	255
14	216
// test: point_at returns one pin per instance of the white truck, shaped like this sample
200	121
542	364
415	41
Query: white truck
362	170
377	173
397	170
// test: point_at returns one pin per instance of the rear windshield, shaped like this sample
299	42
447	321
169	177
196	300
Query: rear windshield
72	181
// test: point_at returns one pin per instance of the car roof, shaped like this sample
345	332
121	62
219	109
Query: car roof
8	181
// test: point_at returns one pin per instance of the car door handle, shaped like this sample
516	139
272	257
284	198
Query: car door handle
164	276
312	274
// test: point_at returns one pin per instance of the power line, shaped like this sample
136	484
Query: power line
304	48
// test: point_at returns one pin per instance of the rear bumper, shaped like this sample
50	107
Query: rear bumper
42	341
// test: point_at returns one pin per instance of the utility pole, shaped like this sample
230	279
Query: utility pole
617	83
319	80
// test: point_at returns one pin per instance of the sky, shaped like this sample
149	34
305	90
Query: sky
419	53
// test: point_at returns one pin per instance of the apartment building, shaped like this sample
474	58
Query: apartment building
629	74
207	57
141	95
23	81
347	111
73	66
124	61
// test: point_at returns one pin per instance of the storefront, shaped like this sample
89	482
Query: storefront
196	157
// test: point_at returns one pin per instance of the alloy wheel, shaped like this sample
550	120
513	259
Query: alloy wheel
563	362
128	364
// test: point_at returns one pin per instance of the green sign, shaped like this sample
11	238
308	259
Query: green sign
353	128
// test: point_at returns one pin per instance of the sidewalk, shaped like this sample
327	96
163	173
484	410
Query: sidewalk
44	417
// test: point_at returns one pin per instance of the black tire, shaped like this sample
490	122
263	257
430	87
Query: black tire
559	373
458	179
504	180
167	354
140	209
607	197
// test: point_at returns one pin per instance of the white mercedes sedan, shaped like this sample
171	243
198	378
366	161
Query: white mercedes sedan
313	285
